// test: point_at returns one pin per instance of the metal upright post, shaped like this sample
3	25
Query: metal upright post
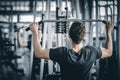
32	51
87	16
11	29
65	39
66	8
113	12
43	42
118	38
73	8
90	6
97	39
77	9
97	29
49	30
59	35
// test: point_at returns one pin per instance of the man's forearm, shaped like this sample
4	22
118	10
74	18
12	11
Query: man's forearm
109	41
107	51
36	45
18	38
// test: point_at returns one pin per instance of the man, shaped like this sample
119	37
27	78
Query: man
36	61
23	43
75	63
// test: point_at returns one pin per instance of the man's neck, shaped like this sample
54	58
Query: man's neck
77	47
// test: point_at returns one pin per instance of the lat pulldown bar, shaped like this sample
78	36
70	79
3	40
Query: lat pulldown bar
70	20
73	20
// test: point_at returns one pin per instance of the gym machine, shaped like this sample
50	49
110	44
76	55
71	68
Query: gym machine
65	20
8	58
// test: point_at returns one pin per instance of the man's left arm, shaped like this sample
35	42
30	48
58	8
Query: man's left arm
39	52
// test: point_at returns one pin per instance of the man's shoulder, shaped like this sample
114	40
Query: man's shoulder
59	48
89	46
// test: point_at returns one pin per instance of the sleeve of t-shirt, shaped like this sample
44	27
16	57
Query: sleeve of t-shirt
57	54
98	52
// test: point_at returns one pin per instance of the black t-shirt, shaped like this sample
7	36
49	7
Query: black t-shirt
75	66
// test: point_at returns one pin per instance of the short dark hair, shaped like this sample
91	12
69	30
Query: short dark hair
77	32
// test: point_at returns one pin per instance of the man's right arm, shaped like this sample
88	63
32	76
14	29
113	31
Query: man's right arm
107	51
20	43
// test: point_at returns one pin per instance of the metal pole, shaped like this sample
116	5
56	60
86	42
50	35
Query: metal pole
11	29
42	6
59	35
73	8
90	16
113	12
97	40
65	40
43	42
77	9
106	10
73	20
87	16
91	34
66	3
49	30
66	8
34	9
118	38
97	29
32	51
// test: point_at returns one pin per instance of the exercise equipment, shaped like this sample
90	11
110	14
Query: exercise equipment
7	58
62	21
70	20
19	28
34	62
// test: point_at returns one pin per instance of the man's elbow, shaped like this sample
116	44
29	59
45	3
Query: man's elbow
20	45
110	53
37	54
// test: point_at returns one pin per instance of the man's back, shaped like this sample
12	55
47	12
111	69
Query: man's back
75	66
69	64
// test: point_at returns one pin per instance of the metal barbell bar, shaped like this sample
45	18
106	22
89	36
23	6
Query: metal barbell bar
69	20
73	20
